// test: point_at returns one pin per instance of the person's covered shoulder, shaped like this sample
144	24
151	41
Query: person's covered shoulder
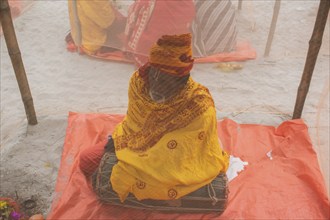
135	79
198	102
201	94
204	91
135	76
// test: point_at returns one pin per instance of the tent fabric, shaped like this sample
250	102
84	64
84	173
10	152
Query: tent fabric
282	181
15	10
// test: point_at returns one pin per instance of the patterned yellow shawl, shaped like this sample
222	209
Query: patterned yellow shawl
167	150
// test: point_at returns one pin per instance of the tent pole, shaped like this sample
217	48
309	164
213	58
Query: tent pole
272	27
16	59
313	50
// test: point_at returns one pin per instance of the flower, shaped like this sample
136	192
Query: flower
8	210
3	205
15	215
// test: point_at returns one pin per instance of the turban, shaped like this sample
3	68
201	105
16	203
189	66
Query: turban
172	54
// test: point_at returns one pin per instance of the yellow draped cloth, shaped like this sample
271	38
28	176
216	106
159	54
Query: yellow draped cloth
167	150
94	17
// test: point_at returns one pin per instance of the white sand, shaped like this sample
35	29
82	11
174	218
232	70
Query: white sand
263	92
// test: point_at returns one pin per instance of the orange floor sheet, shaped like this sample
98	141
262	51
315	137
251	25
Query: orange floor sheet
286	184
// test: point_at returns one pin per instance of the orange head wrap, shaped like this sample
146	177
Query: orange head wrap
172	54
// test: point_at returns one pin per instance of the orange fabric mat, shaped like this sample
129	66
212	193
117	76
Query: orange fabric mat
288	186
244	51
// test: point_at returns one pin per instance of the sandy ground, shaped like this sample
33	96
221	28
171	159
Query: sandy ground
263	92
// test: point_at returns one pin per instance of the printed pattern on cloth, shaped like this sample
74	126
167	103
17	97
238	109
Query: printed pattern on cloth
139	17
153	120
210	198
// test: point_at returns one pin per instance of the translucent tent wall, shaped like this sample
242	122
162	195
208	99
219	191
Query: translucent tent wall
17	8
126	30
111	39
104	29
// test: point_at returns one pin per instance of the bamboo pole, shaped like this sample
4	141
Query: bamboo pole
16	59
276	11
313	50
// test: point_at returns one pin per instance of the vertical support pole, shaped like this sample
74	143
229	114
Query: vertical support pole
16	60
276	11
313	50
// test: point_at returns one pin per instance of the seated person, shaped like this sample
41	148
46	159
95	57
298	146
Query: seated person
165	154
214	27
100	25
